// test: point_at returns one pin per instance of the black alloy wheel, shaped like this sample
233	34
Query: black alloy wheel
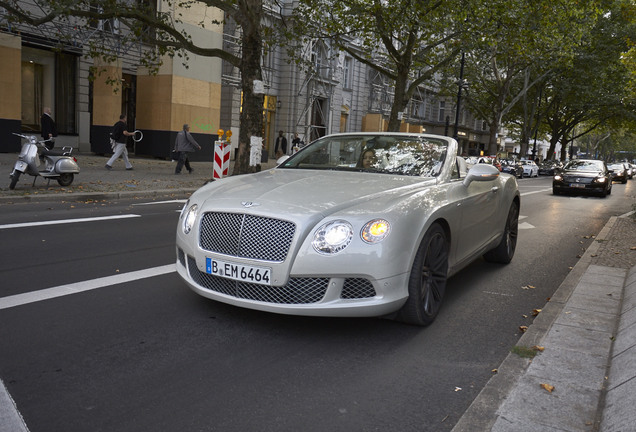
427	281
505	250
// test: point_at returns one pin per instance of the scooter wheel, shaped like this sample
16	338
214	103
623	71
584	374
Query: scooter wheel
65	179
14	179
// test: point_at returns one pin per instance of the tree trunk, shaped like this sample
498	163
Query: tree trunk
492	140
251	118
399	100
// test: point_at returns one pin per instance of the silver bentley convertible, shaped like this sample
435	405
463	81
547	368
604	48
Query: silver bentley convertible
356	224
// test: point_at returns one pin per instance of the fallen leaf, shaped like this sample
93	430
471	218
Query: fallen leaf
494	370
527	287
538	348
594	255
457	389
549	388
632	248
536	312
523	328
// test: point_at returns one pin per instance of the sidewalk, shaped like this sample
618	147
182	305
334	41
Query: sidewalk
587	329
149	178
585	377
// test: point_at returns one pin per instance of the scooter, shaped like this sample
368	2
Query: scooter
58	164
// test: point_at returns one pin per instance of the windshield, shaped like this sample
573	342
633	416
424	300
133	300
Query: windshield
391	154
584	165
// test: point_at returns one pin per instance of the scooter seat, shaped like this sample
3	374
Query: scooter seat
55	153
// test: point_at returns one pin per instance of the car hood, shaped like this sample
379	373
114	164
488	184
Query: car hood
290	191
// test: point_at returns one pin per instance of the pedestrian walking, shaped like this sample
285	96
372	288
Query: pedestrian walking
183	145
118	143
281	145
49	130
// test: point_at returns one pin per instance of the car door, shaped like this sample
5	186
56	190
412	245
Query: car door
478	204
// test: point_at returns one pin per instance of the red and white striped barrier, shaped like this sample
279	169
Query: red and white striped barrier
221	159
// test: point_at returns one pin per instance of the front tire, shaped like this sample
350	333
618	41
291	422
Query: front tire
505	250
427	282
14	179
65	179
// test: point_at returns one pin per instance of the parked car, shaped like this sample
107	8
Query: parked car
583	176
619	172
356	224
530	168
512	166
550	167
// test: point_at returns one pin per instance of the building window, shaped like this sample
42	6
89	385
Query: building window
49	80
347	72
319	59
442	115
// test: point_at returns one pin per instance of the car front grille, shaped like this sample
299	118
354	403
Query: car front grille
246	236
355	288
577	179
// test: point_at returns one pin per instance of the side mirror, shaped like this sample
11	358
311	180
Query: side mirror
281	159
481	172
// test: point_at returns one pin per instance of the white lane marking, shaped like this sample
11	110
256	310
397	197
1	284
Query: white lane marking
526	225
67	221
78	287
160	202
534	192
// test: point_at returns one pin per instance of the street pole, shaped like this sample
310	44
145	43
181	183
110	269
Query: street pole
460	84
536	128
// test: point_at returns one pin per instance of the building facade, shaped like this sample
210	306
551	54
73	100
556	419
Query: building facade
337	94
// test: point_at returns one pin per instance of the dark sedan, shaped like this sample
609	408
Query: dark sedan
550	167
583	176
619	172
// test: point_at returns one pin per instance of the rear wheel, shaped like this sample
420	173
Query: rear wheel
505	250
65	179
14	179
427	282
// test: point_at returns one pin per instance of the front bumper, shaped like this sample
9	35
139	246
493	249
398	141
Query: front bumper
310	295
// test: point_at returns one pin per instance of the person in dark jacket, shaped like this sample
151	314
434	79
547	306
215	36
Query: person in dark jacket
280	149
183	145
49	130
118	143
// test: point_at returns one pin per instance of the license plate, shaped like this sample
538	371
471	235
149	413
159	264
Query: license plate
240	272
577	185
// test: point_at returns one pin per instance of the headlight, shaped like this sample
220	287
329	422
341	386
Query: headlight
332	237
189	218
600	179
558	177
375	231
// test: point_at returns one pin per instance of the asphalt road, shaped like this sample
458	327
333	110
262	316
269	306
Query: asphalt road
147	354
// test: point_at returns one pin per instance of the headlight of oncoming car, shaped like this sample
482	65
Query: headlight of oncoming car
332	237
558	177
600	179
375	231
189	218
